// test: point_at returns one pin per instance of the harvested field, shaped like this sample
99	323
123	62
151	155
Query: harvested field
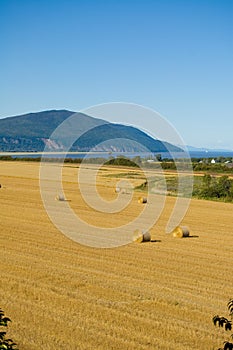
155	295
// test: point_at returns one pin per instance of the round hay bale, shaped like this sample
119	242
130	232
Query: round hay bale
141	236
180	232
142	200
117	189
60	197
146	236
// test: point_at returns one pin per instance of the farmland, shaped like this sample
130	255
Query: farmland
63	295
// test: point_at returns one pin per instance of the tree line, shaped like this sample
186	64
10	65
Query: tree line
213	187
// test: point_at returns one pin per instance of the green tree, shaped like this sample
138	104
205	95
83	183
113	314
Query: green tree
207	187
137	160
224	186
226	324
213	187
5	343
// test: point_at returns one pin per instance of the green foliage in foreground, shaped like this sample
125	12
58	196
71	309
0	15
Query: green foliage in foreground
204	187
219	188
211	187
226	324
5	343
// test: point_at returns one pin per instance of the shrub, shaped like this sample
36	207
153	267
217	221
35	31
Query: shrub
121	161
213	187
5	343
226	324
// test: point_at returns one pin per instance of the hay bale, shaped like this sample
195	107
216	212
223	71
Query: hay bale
180	232
142	200
60	198
117	189
141	236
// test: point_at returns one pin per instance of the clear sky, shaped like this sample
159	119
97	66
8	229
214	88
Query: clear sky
174	56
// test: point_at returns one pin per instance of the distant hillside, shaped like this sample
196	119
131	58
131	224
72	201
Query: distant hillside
31	132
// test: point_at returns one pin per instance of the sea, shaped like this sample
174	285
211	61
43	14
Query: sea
165	155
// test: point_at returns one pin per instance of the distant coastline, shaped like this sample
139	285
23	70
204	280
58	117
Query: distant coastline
193	154
210	154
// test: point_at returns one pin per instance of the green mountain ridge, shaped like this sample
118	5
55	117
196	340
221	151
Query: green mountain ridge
34	132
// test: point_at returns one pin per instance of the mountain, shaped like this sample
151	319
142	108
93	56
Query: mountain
32	132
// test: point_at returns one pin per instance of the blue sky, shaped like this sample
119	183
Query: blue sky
173	56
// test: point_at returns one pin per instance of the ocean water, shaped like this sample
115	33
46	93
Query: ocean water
210	154
191	154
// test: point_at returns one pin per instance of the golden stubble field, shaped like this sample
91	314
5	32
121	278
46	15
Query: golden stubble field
62	295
